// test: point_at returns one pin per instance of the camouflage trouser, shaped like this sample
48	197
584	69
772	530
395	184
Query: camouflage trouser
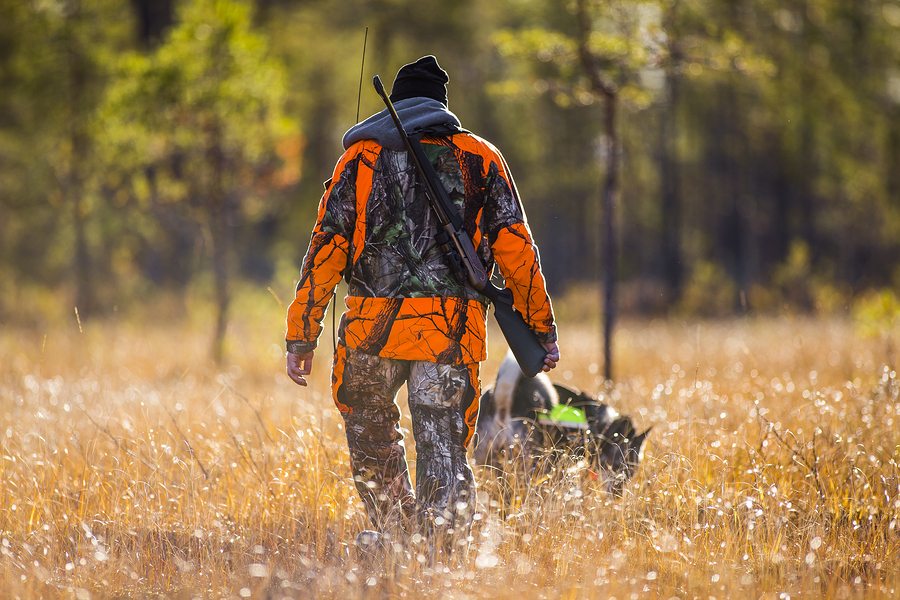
443	402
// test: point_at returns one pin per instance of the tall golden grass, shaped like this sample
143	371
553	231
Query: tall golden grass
131	467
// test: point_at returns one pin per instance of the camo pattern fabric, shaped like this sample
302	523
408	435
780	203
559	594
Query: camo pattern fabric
443	402
376	229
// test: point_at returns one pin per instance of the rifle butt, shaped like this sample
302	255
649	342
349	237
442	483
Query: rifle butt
526	348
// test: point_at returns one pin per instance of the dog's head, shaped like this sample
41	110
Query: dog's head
614	443
619	449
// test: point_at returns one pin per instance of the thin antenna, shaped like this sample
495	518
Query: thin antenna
362	68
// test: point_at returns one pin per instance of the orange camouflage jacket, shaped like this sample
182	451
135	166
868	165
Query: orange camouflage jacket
376	229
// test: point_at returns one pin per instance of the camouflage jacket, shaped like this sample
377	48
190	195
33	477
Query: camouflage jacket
376	229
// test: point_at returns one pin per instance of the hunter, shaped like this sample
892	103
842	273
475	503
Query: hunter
409	319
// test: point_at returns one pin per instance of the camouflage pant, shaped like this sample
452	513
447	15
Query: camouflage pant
443	402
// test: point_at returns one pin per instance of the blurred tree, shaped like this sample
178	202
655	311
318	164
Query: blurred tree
610	56
195	127
71	169
817	131
597	55
52	73
673	61
153	18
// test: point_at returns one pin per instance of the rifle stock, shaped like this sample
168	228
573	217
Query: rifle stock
529	352
526	348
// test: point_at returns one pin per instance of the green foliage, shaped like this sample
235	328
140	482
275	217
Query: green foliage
211	87
709	291
195	126
620	37
53	66
793	278
796	287
877	314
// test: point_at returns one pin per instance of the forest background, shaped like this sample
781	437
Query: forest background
153	152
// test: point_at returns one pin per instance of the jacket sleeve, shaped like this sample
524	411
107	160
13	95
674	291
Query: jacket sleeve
515	252
326	258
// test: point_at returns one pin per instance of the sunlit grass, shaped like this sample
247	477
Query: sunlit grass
131	466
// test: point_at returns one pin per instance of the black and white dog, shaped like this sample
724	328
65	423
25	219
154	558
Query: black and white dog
513	417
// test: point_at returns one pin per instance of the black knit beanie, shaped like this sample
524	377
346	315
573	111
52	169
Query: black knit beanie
423	78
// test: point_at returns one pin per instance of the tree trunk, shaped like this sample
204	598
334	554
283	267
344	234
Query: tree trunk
84	285
223	299
73	181
736	226
892	153
153	18
808	161
671	190
610	192
609	93
220	247
670	184
221	244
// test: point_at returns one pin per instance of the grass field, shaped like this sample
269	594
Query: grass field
130	466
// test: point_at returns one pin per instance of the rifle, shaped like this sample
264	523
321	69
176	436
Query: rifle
529	352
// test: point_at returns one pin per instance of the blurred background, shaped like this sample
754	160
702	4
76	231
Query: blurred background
157	156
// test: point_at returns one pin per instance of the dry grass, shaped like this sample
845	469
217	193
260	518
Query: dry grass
131	467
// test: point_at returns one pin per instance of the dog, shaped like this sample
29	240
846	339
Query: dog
515	415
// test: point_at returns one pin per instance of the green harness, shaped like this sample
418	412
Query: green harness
564	415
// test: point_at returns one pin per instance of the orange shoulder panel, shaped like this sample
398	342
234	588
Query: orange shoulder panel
469	142
369	149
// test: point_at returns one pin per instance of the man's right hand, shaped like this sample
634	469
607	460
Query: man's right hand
552	357
298	366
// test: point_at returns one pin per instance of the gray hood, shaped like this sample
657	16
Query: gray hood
415	113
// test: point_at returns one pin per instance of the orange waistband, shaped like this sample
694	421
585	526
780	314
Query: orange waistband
443	329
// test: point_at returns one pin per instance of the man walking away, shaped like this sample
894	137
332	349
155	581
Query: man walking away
409	319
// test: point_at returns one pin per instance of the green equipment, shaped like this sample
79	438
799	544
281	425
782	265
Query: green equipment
564	415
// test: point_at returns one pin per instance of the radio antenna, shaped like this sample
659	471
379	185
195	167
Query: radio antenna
362	69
